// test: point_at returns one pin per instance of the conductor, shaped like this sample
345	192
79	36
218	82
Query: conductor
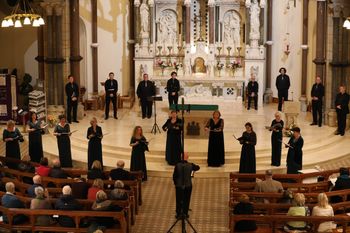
183	184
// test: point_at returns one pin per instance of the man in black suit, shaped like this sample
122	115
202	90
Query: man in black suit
173	88
317	93
119	173
145	90
56	170
342	108
282	84
9	200
253	88
111	88
72	93
182	178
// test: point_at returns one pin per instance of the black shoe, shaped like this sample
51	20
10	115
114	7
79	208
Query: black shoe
313	123
256	109
76	121
106	118
143	117
149	117
319	125
248	108
69	122
115	117
342	134
336	133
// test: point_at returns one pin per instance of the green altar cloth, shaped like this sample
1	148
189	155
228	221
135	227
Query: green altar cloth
195	107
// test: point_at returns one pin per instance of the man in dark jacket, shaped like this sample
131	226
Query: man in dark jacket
111	88
72	93
36	183
182	178
119	173
67	202
145	90
173	88
282	85
253	88
342	108
342	182
56	170
317	93
9	200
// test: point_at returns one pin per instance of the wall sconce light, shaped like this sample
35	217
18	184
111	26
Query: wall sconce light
304	46
269	42
347	23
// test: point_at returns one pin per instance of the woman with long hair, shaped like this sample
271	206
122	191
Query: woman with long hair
139	145
324	209
35	130
94	134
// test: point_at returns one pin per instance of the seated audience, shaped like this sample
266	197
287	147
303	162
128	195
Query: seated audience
96	186
43	169
118	193
244	207
96	171
324	209
120	173
56	171
67	202
269	184
103	204
40	202
9	200
26	166
342	182
298	209
36	183
79	188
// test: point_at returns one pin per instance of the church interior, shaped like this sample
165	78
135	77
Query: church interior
216	47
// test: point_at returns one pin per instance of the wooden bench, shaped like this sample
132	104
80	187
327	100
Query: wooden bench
121	227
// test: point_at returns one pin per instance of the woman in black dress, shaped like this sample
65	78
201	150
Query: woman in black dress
12	136
216	147
35	130
139	145
247	163
173	126
276	139
94	134
62	132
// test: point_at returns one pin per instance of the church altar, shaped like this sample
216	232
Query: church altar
215	46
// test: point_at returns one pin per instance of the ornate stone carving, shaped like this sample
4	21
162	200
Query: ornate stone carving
167	29
144	13
231	32
254	12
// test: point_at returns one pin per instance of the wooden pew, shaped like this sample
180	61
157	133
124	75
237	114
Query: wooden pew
76	215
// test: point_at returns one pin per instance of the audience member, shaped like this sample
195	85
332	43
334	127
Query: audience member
244	207
96	171
56	171
79	188
43	169
36	183
118	193
269	184
96	186
298	209
120	173
67	202
9	200
40	202
324	209
103	204
342	182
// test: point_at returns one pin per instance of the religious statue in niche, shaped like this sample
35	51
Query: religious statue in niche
167	30
232	29
254	70
144	12
199	66
254	20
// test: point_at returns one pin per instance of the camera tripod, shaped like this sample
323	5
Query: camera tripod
183	220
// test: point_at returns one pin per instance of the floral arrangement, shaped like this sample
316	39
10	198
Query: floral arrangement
177	65
219	65
234	65
52	120
162	64
289	130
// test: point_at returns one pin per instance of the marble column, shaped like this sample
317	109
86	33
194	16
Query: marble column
151	20
268	92
136	20
188	22
74	31
41	53
94	47
49	28
321	29
304	48
211	4
58	54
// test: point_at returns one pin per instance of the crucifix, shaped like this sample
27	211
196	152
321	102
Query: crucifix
197	20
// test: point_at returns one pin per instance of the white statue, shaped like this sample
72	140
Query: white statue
232	29
167	30
144	13
254	20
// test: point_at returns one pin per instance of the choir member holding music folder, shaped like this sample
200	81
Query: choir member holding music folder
62	132
35	129
12	136
94	134
139	145
295	152
276	139
247	162
174	127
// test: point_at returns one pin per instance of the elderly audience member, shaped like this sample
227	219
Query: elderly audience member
36	183
324	209
298	209
342	182
96	171
79	188
120	173
56	171
9	200
244	207
43	169
269	184
67	202
40	202
118	193
97	185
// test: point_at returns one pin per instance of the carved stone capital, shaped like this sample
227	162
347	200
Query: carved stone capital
151	3
137	3
187	3
211	3
48	8
58	10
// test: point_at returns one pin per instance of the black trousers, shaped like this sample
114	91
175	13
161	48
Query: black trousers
341	117
114	101
255	98
173	99
317	110
282	95
183	197
146	107
72	105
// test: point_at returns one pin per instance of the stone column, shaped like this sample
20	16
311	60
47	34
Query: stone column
188	22
211	4
58	53
303	97
94	46
268	92
75	57
151	20
136	20
41	53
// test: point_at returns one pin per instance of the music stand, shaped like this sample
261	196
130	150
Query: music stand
155	127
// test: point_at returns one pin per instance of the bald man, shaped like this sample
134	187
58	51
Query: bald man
36	183
120	173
